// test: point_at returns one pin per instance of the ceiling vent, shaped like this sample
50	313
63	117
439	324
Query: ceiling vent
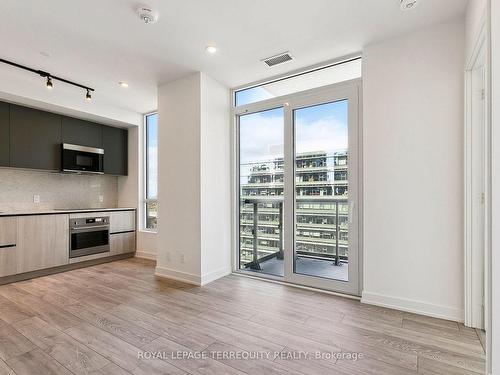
278	59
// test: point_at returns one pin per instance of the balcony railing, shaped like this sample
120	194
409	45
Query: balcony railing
273	206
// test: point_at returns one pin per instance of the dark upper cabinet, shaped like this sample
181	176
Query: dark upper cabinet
4	135
81	132
35	139
115	145
30	138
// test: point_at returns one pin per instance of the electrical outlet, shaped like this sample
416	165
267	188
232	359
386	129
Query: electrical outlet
183	259
36	198
101	198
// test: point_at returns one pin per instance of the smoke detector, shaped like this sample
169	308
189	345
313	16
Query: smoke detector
408	4
146	14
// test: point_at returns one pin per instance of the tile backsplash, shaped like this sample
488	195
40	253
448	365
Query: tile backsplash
55	190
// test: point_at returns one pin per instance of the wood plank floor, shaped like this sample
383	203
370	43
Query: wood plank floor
117	318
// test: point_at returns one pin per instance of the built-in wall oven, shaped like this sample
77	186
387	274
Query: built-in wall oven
82	159
88	235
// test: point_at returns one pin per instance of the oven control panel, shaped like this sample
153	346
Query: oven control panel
89	221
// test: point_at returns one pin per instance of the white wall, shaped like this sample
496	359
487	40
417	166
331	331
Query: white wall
413	178
215	180
495	266
193	186
147	244
179	195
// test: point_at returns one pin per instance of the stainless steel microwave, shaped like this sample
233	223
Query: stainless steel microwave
82	159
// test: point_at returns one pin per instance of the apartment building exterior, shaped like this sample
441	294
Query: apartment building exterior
321	182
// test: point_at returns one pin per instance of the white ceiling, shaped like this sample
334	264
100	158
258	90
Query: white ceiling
99	43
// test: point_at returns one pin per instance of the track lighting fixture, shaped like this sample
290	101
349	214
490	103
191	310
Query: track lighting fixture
50	77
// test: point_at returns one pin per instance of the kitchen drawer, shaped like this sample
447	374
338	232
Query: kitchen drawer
8	248
8	231
122	243
121	221
8	261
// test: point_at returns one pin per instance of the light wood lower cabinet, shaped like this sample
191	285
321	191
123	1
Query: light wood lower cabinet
8	231
42	242
36	242
8	246
121	221
122	243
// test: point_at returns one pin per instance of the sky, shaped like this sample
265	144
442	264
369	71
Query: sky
252	95
318	128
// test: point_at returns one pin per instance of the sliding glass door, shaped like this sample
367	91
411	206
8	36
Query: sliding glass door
298	169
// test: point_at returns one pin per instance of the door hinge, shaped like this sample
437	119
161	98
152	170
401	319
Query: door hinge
482	198
483	94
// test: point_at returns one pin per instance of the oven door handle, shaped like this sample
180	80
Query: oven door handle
90	228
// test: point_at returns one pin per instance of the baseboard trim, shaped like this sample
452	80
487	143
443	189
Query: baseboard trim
413	306
185	277
190	278
214	275
145	255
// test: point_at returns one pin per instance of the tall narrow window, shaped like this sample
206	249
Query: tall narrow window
151	172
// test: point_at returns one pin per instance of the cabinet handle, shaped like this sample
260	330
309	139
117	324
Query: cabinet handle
122	232
5	246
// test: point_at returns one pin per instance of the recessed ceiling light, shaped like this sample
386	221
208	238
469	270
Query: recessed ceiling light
408	4
123	84
211	49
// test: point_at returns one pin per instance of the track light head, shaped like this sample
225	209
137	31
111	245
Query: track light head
49	83
88	97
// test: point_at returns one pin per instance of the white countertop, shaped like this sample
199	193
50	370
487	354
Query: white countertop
62	211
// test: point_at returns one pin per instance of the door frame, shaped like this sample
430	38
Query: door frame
285	101
474	262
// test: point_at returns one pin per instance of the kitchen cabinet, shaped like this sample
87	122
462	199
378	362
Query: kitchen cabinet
35	242
35	139
115	145
81	132
122	243
30	138
42	242
121	221
8	248
4	134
